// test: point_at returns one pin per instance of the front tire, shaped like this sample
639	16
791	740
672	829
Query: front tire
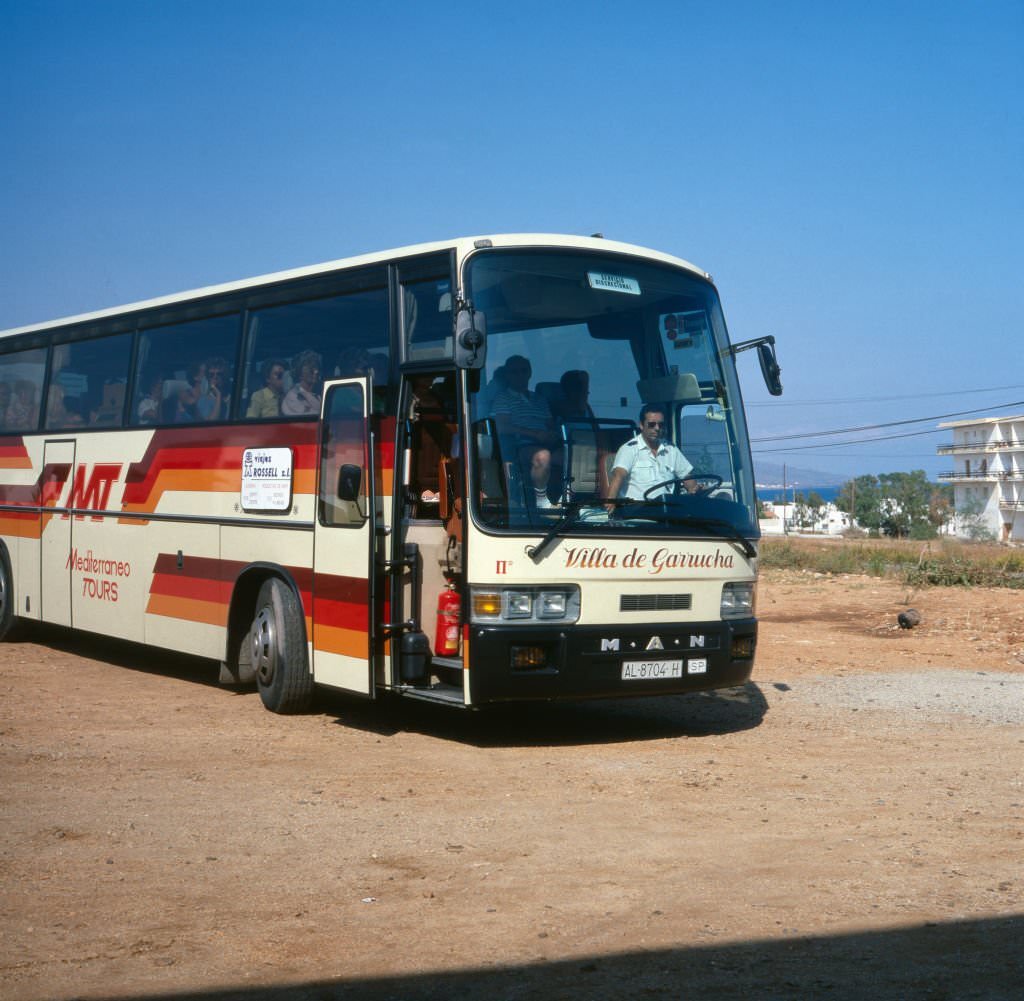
277	642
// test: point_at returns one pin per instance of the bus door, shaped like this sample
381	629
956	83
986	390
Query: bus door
55	533
344	620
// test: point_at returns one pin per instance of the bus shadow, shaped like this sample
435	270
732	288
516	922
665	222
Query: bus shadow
524	724
974	959
121	653
547	724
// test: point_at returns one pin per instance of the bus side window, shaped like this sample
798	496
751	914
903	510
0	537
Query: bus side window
194	365
347	333
343	460
87	382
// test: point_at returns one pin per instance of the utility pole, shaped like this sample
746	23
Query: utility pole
785	510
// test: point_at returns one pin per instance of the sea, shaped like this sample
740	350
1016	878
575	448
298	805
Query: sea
775	494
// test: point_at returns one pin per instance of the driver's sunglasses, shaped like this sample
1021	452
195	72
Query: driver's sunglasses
655	424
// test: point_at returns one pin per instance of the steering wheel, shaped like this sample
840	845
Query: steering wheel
706	482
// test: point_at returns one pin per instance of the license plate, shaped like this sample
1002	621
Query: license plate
647	670
698	665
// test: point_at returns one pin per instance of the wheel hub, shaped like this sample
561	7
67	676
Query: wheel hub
264	646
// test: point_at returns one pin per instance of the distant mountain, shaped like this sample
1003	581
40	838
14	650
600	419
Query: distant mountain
769	475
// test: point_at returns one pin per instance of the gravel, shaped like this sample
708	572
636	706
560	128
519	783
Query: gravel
986	697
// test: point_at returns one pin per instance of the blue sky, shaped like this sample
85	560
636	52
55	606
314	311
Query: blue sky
852	174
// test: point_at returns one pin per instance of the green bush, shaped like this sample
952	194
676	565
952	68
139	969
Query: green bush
945	563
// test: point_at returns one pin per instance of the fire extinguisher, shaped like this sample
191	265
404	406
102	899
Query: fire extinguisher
449	620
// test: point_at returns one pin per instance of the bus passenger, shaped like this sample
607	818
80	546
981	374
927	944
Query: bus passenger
354	363
524	418
185	406
148	410
485	398
304	396
266	402
574	403
22	411
647	460
213	401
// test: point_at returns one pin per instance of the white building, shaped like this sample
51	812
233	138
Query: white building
988	478
789	519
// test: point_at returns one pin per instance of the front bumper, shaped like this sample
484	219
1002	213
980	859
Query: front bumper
586	661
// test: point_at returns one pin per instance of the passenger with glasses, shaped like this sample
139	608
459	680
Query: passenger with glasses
647	460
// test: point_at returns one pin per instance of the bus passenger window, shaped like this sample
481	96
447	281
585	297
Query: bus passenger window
21	380
191	363
87	382
346	335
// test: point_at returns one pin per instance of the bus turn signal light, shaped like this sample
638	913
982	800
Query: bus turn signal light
486	604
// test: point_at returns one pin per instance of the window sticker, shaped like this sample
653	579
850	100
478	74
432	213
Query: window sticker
613	283
681	328
267	479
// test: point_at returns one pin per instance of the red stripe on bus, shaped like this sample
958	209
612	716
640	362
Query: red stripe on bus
190	587
346	614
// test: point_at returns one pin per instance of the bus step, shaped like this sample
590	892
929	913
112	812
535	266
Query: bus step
448	694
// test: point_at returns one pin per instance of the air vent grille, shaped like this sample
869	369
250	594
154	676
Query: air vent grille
654	602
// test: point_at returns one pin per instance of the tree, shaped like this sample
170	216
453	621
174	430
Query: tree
861	499
807	510
940	506
972	521
897	504
906	504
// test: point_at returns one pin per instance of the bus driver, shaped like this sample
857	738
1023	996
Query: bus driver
646	460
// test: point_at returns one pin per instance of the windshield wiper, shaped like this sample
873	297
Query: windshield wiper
572	510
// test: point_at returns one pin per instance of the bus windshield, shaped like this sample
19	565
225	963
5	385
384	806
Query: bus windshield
577	343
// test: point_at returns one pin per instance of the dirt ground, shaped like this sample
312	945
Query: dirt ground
164	837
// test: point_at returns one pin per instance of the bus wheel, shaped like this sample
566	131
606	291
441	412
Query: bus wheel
8	620
278	645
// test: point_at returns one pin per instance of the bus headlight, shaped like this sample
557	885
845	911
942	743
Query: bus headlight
518	604
524	605
738	598
551	604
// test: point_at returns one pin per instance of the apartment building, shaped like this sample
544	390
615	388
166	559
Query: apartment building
988	478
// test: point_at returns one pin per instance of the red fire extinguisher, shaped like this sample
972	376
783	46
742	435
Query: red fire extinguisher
449	620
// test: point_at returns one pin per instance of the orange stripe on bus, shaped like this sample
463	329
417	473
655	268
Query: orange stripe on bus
20	526
188	609
348	642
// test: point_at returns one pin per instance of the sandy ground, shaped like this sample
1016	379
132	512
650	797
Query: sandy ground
847	825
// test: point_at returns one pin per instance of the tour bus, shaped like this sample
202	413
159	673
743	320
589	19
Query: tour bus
393	473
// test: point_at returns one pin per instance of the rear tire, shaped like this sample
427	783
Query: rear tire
277	642
8	620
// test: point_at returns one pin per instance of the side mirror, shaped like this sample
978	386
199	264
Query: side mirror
470	337
349	480
770	368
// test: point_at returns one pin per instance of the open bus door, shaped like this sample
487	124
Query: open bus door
344	621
